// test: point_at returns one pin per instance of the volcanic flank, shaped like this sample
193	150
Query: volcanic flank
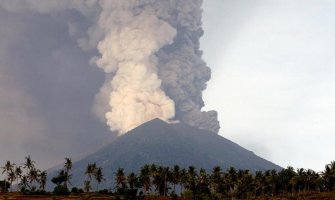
169	144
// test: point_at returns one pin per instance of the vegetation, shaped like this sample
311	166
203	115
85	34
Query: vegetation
176	182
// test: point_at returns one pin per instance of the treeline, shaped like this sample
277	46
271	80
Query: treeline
189	183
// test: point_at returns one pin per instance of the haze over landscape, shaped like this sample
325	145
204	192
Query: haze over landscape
272	76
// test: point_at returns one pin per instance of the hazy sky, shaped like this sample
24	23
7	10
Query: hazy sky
273	83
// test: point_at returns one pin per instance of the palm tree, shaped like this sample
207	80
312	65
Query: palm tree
99	176
329	176
90	170
8	168
29	163
87	186
231	180
183	179
61	178
161	177
67	164
166	176
259	182
132	180
144	178
18	172
191	178
284	179
67	168
216	181
11	177
245	184
203	182
175	177
23	185
120	179
33	176
43	179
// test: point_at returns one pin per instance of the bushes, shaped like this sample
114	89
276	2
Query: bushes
75	190
33	192
61	190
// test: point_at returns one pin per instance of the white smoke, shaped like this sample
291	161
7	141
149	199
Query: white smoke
128	51
150	53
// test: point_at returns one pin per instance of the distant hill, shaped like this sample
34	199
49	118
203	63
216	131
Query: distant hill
169	144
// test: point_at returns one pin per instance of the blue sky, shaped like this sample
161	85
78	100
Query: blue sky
273	80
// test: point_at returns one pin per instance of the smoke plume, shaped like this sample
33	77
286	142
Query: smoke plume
150	53
154	69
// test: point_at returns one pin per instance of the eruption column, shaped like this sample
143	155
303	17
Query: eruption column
152	59
128	52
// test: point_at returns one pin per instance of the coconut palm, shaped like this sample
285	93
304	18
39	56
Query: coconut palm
231	180
203	182
183	179
216	181
43	179
245	184
98	175
284	179
91	170
67	168
18	172
87	186
329	176
259	181
8	169
191	178
68	164
11	177
175	177
166	178
33	176
132	180
120	179
61	178
144	178
29	163
23	185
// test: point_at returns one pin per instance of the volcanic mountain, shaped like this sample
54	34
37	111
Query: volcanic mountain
169	144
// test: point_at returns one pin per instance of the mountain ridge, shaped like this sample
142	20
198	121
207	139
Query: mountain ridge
157	142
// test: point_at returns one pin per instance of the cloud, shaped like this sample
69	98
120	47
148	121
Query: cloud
47	89
273	81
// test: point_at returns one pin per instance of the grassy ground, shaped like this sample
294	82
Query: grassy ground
18	196
303	196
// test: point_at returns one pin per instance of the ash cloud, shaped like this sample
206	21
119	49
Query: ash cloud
149	53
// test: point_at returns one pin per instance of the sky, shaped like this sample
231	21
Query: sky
273	80
273	69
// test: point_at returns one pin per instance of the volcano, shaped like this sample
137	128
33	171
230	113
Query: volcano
169	144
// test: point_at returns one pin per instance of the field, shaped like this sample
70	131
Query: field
92	196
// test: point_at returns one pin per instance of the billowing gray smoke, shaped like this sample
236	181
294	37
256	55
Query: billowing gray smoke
151	56
153	63
149	51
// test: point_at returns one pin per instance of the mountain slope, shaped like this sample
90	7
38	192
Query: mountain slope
169	144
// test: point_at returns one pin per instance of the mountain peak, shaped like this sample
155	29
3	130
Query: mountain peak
165	144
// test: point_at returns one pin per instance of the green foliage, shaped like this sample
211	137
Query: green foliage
4	186
34	192
159	182
105	192
187	195
61	190
76	190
